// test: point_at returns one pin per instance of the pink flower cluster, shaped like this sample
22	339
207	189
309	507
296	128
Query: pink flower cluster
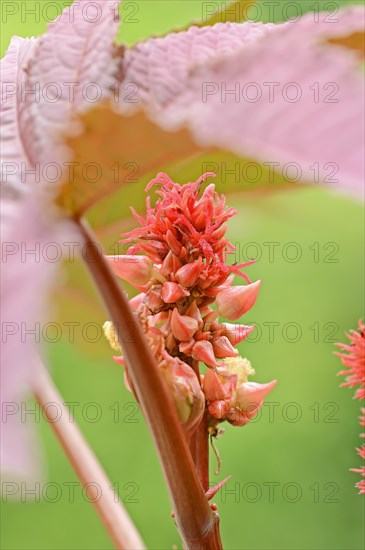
181	274
354	361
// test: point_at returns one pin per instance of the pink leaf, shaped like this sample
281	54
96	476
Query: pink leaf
27	275
159	69
14	150
70	67
315	118
78	48
296	98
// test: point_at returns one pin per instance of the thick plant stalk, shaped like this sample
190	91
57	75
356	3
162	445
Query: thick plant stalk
112	513
197	524
199	441
199	448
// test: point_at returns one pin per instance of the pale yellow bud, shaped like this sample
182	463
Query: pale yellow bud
111	335
239	366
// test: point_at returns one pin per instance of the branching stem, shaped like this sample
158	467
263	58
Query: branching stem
112	513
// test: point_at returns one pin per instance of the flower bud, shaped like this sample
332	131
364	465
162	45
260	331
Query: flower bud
206	203
193	311
170	265
183	327
218	409
185	391
210	319
212	491
188	274
119	359
220	232
172	292
202	336
199	219
212	291
235	301
155	302
236	333
250	396
154	250
137	301
213	388
167	266
236	417
203	351
223	348
238	367
187	347
173	243
136	270
230	397
111	335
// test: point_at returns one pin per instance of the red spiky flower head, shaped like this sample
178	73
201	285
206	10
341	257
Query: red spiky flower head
182	272
354	361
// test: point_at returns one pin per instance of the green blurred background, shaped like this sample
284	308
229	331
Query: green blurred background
291	487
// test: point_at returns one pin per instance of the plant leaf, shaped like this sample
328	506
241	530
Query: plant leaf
314	119
122	148
318	138
14	149
77	48
159	69
25	282
61	73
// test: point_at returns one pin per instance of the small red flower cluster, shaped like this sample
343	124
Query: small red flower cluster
181	274
354	361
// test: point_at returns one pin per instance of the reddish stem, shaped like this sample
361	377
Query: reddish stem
112	513
199	448
195	520
199	442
